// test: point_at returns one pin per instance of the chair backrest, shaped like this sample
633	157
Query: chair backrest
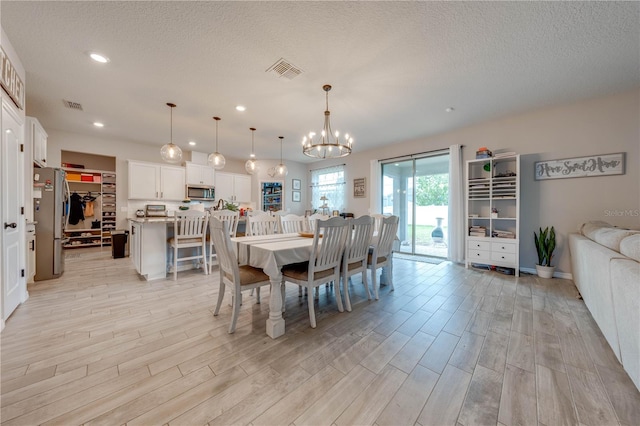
377	218
328	253
230	217
292	223
190	224
280	213
261	225
387	234
313	219
227	259
358	243
257	213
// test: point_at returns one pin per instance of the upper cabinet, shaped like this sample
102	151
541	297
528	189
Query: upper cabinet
36	137
233	187
199	175
150	181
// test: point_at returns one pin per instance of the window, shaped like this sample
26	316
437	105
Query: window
328	182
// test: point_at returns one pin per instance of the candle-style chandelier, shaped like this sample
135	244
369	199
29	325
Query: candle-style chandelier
328	144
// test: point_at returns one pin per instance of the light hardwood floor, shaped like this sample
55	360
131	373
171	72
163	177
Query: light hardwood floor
448	346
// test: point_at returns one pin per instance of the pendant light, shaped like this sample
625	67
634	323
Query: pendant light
171	153
216	160
251	166
281	169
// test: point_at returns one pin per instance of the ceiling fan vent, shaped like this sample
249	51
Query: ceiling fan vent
72	105
283	68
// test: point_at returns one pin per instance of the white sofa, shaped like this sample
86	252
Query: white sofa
605	263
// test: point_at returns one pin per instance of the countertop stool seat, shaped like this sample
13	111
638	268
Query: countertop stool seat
190	228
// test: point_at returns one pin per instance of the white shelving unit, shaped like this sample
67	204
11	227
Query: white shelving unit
94	231
493	212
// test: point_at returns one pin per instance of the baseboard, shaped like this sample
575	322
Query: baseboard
556	274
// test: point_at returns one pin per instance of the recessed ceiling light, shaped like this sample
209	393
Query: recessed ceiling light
450	109
98	124
99	58
241	108
192	143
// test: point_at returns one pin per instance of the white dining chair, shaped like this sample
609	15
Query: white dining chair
323	265
257	213
377	221
381	253
313	219
261	225
233	277
189	228
356	253
291	223
231	218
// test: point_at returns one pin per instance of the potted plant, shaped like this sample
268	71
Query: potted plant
545	245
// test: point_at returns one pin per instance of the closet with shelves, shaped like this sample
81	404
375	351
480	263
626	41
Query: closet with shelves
493	212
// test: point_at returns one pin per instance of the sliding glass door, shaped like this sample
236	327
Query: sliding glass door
416	189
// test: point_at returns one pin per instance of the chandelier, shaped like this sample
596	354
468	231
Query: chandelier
251	166
216	160
329	144
170	152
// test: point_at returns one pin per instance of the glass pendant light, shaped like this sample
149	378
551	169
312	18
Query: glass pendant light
170	152
281	169
251	166
216	160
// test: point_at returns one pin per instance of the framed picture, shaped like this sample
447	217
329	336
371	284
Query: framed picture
296	196
359	188
296	185
594	165
336	213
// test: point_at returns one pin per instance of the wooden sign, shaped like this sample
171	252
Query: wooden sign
594	165
10	80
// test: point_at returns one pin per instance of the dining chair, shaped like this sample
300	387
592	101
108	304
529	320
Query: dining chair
236	278
257	213
231	218
324	263
381	253
356	253
377	221
291	223
313	219
189	232
261	225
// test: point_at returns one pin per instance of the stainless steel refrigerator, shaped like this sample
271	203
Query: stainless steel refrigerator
50	214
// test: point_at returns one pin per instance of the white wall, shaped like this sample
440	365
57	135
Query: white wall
596	126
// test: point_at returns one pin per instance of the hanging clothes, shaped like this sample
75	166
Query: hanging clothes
88	209
76	213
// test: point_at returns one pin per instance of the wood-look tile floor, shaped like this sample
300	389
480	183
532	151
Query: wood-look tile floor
448	346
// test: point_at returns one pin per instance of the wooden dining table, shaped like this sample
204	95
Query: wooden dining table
271	253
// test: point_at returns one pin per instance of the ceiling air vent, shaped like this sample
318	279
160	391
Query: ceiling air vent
72	105
283	68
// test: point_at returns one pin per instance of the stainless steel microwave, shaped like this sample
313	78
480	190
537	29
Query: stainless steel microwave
201	193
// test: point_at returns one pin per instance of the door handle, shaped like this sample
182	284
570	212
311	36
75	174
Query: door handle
10	225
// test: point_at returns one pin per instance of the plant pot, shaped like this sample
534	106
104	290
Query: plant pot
545	271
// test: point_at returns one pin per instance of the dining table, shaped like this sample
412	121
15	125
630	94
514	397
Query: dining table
270	253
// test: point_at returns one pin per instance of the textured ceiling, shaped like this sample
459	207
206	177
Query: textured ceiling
394	66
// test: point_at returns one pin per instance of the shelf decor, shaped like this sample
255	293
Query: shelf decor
594	165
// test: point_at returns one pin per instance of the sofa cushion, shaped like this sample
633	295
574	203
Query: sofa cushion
630	247
589	229
611	237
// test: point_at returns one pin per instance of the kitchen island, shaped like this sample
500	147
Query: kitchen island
148	246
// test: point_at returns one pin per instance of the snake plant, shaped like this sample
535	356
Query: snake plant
545	245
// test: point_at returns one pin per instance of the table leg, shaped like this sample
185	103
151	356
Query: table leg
275	322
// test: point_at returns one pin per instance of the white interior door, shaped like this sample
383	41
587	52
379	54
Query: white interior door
13	281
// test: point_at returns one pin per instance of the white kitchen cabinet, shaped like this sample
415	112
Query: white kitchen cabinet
148	248
233	187
199	175
150	181
36	138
